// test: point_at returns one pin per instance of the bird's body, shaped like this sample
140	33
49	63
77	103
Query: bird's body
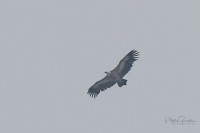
115	76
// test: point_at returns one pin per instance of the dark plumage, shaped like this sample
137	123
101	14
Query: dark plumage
116	75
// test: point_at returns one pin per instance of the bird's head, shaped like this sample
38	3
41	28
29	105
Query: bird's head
107	72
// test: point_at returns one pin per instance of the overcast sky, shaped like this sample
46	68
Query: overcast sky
52	51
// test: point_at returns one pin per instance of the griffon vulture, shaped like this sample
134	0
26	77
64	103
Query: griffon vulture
116	75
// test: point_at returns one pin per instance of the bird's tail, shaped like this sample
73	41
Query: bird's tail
122	82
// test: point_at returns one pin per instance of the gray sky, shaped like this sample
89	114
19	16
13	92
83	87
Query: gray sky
52	51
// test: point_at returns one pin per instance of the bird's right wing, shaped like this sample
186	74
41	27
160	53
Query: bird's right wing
125	64
101	85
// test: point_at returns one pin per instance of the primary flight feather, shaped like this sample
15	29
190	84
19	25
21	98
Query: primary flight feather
116	75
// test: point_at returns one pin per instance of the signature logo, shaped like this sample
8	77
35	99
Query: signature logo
180	120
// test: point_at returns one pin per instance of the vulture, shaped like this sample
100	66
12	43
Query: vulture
115	76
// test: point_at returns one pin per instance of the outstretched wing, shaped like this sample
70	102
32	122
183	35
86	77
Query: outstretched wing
126	63
101	85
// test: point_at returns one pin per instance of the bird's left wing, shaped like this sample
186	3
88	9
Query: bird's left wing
101	85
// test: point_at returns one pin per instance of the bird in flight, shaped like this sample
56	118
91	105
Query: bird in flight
115	76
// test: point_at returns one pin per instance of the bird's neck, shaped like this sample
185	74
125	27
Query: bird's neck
108	73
